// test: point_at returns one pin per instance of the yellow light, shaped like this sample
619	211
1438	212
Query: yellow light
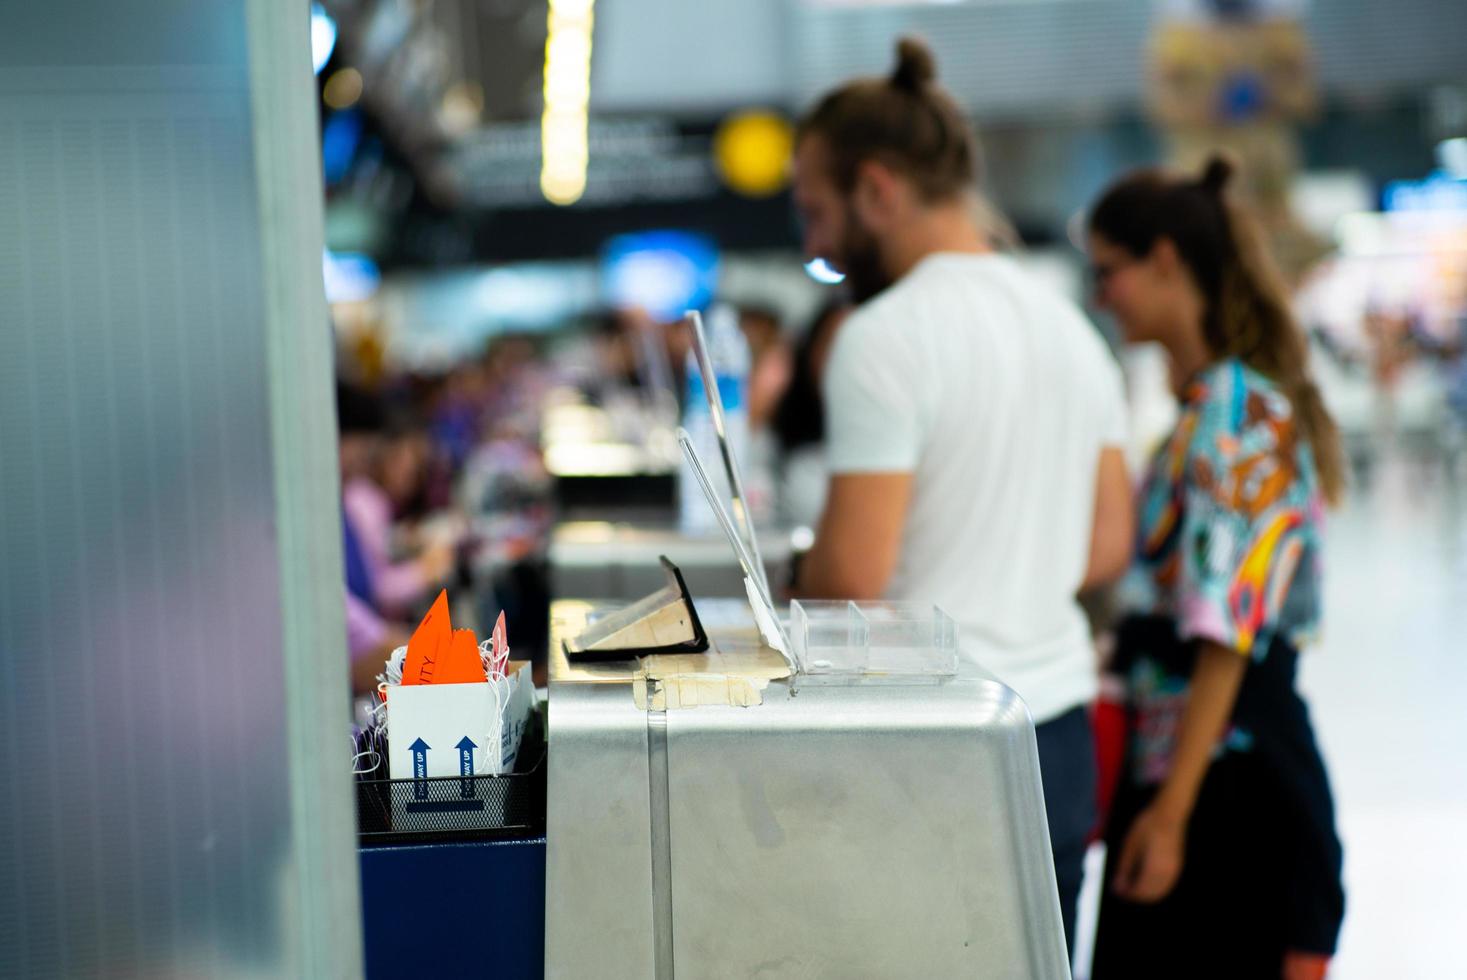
343	89
752	151
562	189
564	142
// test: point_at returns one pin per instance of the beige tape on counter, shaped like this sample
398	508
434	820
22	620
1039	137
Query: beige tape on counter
693	680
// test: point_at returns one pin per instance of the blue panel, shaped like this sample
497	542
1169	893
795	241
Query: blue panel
455	910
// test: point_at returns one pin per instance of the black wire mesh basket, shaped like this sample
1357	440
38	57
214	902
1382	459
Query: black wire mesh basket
440	809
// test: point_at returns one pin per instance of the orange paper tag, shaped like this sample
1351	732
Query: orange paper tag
462	664
440	654
430	643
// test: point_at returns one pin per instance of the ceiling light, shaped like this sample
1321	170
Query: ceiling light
564	140
823	272
323	36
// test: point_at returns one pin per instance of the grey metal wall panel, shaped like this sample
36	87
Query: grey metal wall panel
148	820
140	592
994	57
1063	56
1000	57
1364	47
677	55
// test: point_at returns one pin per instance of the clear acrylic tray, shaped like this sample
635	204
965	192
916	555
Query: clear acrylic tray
841	642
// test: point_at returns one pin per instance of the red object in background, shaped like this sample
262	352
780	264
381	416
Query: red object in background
1305	966
1108	719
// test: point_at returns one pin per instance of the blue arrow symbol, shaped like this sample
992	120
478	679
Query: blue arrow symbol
420	768
466	749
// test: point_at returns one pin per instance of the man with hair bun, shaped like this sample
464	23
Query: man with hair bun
975	420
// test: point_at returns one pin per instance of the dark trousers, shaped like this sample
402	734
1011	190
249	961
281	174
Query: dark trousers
1261	875
1067	770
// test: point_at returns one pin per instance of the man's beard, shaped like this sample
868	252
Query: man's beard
861	261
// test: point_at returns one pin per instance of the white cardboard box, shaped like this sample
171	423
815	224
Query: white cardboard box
443	729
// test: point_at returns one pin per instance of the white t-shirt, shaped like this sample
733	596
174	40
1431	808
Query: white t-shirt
997	394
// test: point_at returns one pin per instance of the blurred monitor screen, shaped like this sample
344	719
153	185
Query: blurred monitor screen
663	272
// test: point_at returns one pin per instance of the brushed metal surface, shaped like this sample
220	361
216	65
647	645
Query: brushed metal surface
171	618
598	861
864	831
659	796
619	560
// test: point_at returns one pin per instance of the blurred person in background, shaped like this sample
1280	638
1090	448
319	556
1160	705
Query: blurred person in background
456	411
616	345
517	382
761	328
1457	385
799	421
771	362
975	419
1222	854
370	637
383	467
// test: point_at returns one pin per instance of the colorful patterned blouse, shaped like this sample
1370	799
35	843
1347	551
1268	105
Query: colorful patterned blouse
1230	517
1229	552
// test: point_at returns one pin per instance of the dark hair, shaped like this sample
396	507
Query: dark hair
799	419
363	412
358	412
905	120
1247	314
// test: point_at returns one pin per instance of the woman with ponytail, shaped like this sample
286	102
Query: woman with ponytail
1222	854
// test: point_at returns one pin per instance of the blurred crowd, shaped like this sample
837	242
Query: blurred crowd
443	474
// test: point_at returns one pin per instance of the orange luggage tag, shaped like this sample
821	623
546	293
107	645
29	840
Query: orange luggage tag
429	644
462	664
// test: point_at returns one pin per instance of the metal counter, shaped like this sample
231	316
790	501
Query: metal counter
889	830
618	560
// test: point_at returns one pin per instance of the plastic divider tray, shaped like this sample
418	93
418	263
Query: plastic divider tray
842	642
